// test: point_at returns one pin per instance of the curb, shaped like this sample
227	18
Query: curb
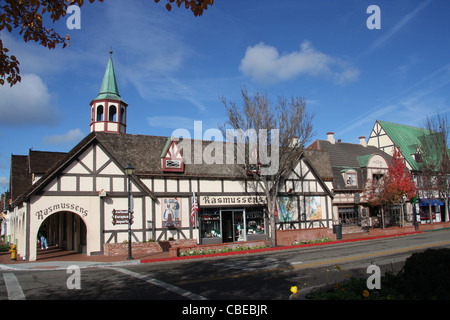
62	265
224	254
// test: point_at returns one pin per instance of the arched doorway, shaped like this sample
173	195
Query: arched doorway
65	231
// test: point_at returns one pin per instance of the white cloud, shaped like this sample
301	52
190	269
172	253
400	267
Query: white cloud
71	136
27	103
263	63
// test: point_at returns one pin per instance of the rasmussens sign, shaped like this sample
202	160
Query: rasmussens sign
41	214
231	200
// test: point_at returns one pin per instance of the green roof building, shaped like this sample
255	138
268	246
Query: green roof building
413	142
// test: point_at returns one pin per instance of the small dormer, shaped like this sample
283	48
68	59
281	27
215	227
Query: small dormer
171	157
350	177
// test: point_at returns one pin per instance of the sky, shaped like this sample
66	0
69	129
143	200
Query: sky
173	68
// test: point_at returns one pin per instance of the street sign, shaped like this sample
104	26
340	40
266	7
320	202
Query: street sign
121	217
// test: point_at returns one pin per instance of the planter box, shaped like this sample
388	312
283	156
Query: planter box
216	247
391	231
287	237
120	249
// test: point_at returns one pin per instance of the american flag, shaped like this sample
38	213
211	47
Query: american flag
194	209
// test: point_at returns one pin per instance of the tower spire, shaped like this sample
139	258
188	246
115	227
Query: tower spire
109	88
108	110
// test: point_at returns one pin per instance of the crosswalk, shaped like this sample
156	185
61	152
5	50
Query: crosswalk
13	287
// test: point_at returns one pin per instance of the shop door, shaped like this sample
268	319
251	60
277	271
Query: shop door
233	225
227	226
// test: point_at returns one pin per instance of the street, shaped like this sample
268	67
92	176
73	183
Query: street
262	276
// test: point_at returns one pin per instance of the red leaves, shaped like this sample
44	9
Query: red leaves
397	186
400	183
27	17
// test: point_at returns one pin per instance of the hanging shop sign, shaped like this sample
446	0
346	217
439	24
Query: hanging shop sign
121	217
214	201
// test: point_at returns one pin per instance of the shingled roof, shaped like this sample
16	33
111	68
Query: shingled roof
23	168
144	153
344	156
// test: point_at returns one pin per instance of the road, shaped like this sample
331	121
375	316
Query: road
262	276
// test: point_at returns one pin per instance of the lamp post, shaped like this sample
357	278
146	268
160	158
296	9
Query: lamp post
129	170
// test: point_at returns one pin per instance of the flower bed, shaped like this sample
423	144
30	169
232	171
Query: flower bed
201	250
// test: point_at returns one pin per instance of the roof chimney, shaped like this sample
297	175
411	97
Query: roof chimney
362	141
330	137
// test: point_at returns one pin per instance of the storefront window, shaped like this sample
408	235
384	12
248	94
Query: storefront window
255	221
210	221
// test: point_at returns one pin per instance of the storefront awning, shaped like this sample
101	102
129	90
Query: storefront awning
426	202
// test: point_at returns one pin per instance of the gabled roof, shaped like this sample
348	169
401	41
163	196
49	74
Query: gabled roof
407	138
348	156
144	154
23	168
41	161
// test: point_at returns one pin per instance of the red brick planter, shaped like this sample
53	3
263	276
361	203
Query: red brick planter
117	249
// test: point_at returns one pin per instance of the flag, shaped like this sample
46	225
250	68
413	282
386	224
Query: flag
194	209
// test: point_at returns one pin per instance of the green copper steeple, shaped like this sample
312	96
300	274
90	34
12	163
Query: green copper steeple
109	88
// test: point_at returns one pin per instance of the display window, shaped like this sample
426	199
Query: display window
210	223
219	225
255	221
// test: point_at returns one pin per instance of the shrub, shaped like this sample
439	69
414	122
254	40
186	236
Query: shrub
4	247
426	275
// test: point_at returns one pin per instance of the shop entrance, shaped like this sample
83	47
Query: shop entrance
233	225
64	231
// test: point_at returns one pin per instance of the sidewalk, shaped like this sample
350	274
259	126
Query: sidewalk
56	259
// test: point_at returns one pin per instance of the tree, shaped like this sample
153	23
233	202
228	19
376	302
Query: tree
395	188
435	162
285	127
197	6
28	17
400	186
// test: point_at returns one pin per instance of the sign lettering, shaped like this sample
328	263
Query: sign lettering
121	217
206	201
41	214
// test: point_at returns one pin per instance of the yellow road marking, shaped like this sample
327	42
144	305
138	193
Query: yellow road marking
313	264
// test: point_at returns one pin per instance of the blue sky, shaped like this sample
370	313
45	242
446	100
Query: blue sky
172	68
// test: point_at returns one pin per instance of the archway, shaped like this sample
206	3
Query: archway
65	232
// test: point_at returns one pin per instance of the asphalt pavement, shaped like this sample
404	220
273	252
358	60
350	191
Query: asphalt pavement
57	259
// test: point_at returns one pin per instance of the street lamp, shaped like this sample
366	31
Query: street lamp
129	170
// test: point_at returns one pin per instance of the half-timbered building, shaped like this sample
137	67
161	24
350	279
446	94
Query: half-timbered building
353	166
81	198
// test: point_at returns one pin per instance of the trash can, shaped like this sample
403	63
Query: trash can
337	230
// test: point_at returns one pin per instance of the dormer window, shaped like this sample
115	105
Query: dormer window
350	177
418	155
171	157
